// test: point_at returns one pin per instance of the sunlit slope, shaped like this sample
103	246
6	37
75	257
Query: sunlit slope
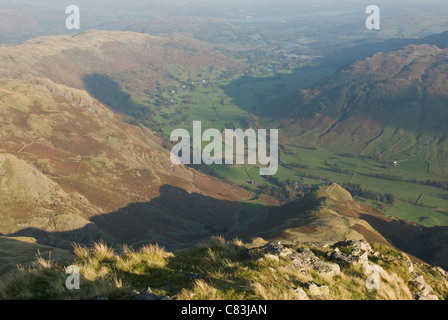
392	105
65	159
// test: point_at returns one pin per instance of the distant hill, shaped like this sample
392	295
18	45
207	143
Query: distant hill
362	49
391	104
149	61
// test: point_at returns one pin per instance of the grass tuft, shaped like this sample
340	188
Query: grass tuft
215	269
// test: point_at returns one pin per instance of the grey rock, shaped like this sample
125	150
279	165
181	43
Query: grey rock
302	260
357	256
275	247
316	289
189	275
426	290
337	256
420	296
300	293
359	244
148	295
416	285
419	279
305	259
441	271
409	265
419	284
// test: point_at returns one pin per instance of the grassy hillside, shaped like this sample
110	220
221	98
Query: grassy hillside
23	251
218	269
389	105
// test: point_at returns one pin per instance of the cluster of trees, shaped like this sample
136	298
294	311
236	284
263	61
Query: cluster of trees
432	183
296	165
437	184
361	191
276	188
388	177
337	168
282	190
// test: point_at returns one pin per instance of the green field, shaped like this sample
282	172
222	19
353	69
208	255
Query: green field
431	209
224	103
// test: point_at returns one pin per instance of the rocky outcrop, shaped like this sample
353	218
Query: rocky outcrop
358	244
439	270
305	259
354	252
330	260
302	259
422	290
300	293
317	290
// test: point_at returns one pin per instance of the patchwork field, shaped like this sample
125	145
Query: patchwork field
417	201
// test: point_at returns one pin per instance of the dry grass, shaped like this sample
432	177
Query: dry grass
102	272
201	291
272	292
80	251
224	269
102	251
41	262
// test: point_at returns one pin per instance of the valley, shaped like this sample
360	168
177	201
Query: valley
86	119
237	102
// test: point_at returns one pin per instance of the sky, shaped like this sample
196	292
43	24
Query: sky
48	16
222	8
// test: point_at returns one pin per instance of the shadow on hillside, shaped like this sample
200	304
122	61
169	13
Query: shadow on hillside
271	96
19	251
174	220
104	89
429	244
178	219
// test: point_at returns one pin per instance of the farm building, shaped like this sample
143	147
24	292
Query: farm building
392	163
